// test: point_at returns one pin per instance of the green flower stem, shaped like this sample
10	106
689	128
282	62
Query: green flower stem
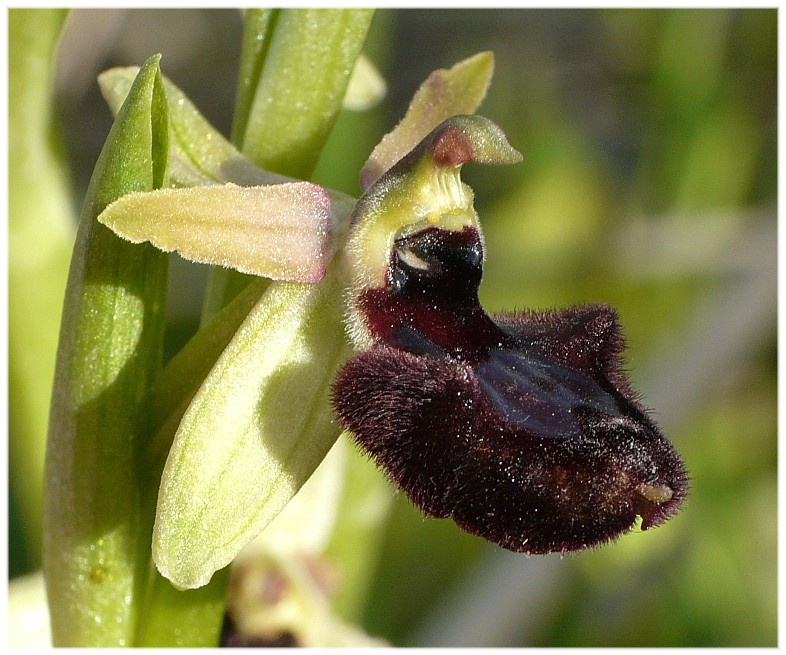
223	285
109	352
294	71
40	233
258	29
358	533
191	618
302	81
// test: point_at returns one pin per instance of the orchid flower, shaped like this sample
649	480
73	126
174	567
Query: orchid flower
522	428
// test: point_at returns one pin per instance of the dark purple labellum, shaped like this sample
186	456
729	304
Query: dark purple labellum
523	429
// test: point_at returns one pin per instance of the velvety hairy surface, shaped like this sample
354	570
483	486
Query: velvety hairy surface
522	428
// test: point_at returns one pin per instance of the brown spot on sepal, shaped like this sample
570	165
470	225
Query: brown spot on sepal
451	147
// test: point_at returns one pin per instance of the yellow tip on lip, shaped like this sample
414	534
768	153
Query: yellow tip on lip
659	494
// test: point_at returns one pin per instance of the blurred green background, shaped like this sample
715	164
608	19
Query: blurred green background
649	183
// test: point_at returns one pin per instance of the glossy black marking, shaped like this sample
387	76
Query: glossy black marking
449	257
522	428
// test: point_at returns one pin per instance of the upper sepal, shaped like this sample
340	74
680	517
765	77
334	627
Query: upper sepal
445	93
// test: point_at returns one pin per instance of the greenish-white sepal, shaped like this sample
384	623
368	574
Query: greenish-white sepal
305	525
280	231
256	430
445	93
366	86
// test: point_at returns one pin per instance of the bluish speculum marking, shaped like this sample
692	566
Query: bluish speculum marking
540	395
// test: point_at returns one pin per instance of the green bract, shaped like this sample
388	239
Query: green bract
291	101
109	352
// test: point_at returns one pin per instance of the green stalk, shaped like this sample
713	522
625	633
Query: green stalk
304	74
191	619
258	29
109	353
40	233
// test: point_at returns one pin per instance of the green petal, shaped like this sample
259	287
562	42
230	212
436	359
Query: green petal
254	433
280	231
445	93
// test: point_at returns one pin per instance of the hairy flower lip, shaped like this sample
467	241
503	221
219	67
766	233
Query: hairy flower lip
422	418
521	428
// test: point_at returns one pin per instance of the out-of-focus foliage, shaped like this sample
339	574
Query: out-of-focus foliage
649	182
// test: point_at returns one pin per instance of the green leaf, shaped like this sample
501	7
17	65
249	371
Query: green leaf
258	25
300	87
279	231
445	93
109	352
40	238
255	431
